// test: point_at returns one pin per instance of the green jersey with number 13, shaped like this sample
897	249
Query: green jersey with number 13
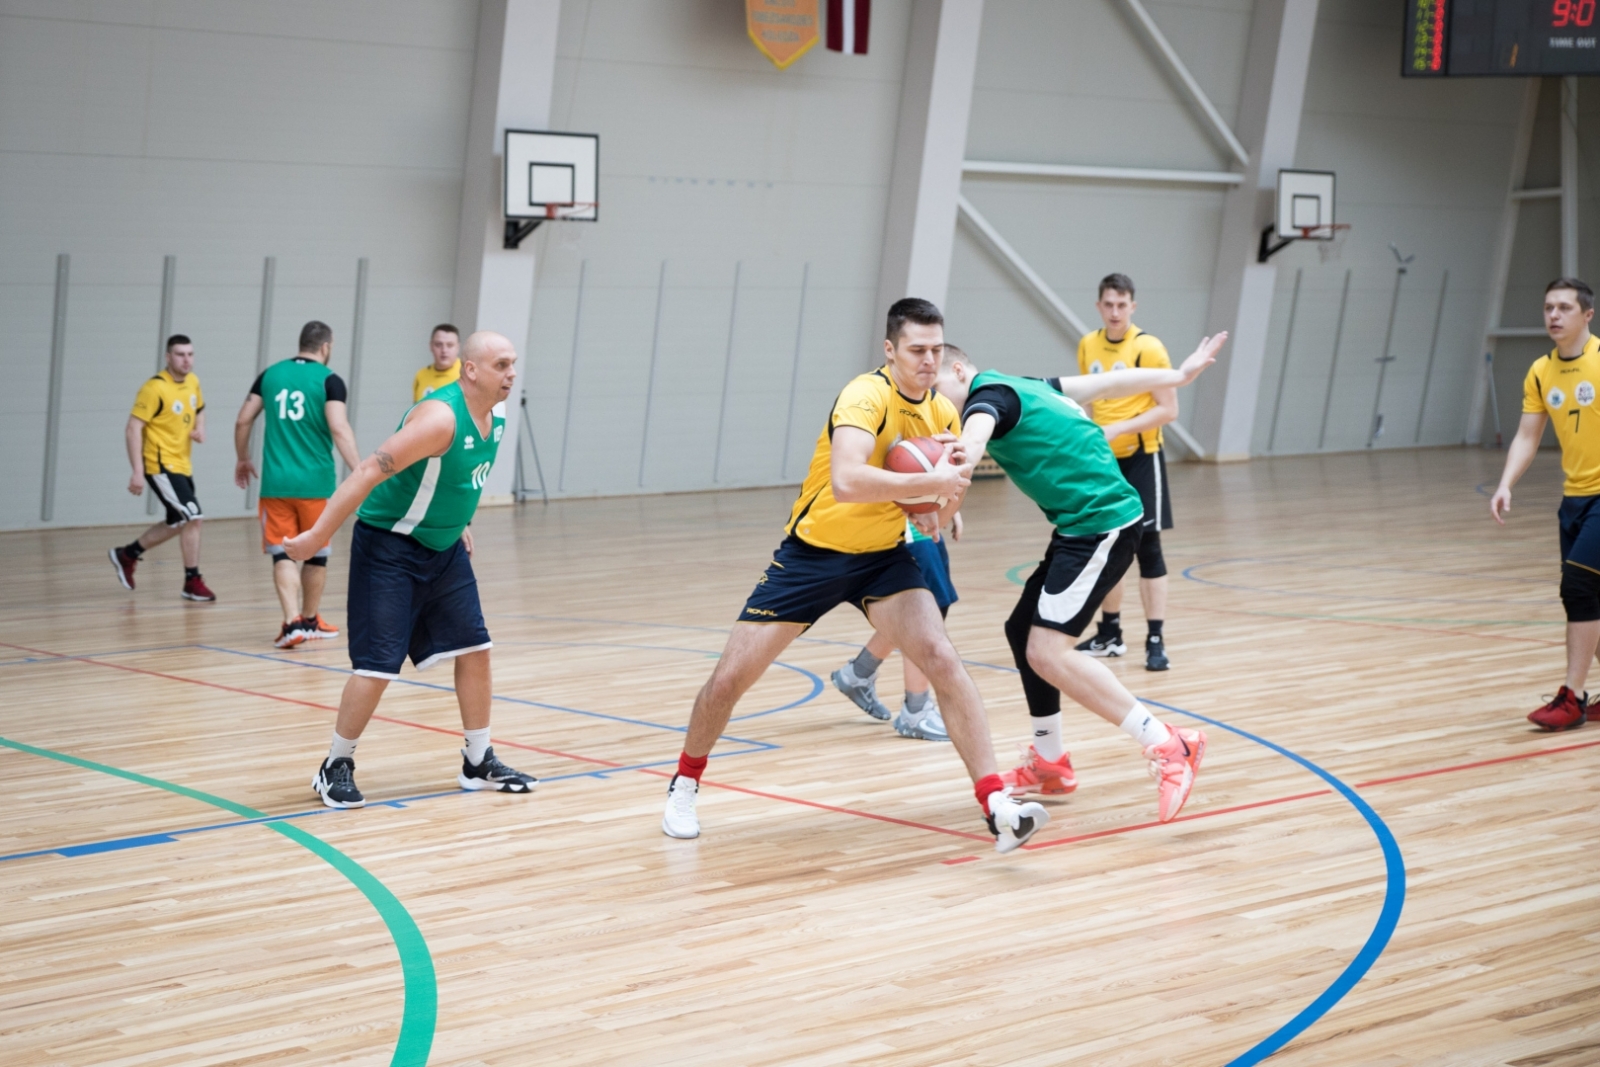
297	449
434	499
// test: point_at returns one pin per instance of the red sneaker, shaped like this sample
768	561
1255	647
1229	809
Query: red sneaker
124	564
317	628
1174	766
195	589
1564	712
1039	775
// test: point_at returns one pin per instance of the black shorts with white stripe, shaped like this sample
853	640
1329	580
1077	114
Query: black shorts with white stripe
1147	473
1066	589
176	491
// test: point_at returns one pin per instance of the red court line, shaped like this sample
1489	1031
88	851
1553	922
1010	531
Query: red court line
1182	818
1379	625
300	703
1479	763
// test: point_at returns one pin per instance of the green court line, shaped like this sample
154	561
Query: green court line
416	963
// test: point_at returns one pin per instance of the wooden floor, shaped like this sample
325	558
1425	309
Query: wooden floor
1363	638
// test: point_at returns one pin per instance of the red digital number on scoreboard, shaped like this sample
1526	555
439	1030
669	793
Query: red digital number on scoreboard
1571	13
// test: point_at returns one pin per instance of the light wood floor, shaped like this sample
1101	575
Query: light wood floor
843	906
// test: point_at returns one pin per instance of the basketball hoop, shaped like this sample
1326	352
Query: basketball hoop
579	210
1326	232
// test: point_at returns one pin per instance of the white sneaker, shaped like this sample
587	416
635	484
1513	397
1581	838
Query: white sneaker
680	820
1012	823
925	725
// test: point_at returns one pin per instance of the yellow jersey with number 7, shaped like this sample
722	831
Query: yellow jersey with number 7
1564	389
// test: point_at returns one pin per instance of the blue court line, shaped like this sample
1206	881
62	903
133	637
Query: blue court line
165	837
89	655
1188	572
756	745
1394	896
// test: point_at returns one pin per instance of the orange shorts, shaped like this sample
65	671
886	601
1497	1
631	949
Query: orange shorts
283	517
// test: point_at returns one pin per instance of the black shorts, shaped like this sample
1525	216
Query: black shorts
1075	575
1147	472
407	599
1579	517
803	582
176	491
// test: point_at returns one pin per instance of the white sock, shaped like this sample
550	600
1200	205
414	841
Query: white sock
477	745
1047	737
342	747
1144	727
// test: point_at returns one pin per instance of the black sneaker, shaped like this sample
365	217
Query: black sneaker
1104	643
492	774
1155	654
335	783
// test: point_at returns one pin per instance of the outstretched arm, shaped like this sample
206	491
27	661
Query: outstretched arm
1164	411
344	438
856	481
1086	388
428	431
243	469
1523	448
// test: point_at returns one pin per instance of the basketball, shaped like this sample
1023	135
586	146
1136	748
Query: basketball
915	455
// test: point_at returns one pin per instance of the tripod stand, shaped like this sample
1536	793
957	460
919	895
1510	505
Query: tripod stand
520	490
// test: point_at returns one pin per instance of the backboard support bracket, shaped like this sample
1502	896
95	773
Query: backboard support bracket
517	231
1265	251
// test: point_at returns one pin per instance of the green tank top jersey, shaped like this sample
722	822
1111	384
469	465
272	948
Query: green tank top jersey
1059	458
433	499
297	449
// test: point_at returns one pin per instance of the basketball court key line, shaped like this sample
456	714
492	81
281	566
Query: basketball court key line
419	1016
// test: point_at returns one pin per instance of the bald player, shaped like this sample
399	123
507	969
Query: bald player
412	589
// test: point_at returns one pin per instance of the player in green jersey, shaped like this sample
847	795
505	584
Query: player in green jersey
1040	435
304	403
412	589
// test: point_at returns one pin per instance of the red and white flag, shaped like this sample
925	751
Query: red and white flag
847	25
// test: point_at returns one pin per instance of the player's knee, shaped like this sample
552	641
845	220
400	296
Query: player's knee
1580	593
1152	564
940	661
1017	630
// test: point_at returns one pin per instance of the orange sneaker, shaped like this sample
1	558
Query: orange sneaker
317	627
1174	766
1039	775
292	634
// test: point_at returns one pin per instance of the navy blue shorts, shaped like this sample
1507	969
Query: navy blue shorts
407	599
1579	517
803	583
933	559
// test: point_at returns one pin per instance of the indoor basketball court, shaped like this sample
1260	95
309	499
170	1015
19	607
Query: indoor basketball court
556	413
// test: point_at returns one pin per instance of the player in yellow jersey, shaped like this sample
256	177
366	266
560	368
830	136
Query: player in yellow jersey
168	418
444	344
1133	426
1560	387
845	543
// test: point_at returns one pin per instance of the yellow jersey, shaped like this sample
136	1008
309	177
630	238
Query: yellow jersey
1564	389
429	380
871	403
168	409
1096	355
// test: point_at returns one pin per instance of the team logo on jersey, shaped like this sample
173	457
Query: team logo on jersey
468	444
1096	368
498	430
1119	365
1584	393
177	407
1555	398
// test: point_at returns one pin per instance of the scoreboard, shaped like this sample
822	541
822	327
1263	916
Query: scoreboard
1513	37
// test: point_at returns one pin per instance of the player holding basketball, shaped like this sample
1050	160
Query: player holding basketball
844	544
412	589
168	418
1560	386
306	419
1040	436
444	344
1133	426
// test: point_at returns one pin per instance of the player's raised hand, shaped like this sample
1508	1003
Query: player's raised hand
1203	356
1500	504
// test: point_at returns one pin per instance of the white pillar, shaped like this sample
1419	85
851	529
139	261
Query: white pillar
512	83
1276	61
1569	177
930	143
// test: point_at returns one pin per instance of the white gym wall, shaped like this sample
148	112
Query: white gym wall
322	133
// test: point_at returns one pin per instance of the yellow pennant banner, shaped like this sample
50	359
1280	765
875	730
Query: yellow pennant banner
783	29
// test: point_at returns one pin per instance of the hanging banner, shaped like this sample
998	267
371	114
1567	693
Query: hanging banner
848	22
783	29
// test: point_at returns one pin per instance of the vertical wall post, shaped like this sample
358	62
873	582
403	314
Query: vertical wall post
1333	364
794	370
1433	350
572	378
1569	177
727	374
650	386
52	417
1283	370
358	332
269	275
169	282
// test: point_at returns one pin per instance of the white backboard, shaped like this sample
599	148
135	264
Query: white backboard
552	172
1305	198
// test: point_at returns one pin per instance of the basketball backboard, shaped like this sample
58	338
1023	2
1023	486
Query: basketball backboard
552	175
1305	205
